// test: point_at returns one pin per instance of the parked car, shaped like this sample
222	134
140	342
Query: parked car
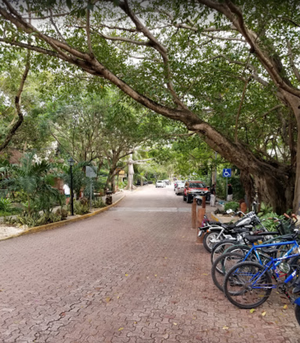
176	183
193	188
138	182
167	182
179	188
160	183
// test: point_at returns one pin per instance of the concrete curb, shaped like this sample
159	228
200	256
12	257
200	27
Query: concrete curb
63	222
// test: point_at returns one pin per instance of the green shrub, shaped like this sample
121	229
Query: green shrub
5	205
48	218
232	205
81	207
11	212
26	219
97	203
34	219
269	223
62	213
266	210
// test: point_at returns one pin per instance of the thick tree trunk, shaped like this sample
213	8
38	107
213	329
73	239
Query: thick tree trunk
272	180
294	191
274	191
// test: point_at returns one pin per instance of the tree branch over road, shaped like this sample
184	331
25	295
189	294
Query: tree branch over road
191	70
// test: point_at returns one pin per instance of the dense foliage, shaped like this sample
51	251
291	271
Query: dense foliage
227	71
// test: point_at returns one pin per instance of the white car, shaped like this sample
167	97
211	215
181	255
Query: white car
176	183
179	188
160	183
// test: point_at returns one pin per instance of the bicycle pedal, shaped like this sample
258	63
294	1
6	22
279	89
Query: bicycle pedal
281	289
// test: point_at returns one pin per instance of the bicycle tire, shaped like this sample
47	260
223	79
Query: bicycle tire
222	264
219	248
239	288
297	313
294	264
243	249
239	248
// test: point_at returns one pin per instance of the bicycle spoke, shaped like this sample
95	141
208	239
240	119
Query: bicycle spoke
246	286
222	265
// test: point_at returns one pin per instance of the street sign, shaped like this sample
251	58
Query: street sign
91	171
226	173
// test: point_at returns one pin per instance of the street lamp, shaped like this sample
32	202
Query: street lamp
71	163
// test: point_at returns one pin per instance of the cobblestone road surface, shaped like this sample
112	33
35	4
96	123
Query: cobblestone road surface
131	274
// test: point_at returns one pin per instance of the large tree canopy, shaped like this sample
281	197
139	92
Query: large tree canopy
228	71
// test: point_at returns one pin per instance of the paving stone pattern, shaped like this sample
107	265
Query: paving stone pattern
126	276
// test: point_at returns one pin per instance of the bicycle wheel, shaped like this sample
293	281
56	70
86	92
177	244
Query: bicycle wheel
247	285
239	248
297	313
221	265
244	249
219	248
293	264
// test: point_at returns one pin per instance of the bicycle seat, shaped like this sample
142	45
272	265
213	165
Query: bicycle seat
269	251
288	237
265	233
253	239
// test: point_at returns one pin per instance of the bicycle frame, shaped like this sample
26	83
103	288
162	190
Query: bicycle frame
254	248
274	262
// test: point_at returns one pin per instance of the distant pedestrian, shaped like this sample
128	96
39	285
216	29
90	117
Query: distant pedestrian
213	195
229	192
67	192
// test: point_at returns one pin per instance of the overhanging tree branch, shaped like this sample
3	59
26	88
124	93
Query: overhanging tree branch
157	46
18	123
271	64
239	110
292	63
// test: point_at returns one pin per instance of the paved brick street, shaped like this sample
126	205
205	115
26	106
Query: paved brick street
130	274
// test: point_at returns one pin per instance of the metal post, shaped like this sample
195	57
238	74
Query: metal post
216	157
91	194
71	163
226	190
72	205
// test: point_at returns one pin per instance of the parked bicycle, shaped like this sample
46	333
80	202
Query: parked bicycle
242	242
252	252
249	284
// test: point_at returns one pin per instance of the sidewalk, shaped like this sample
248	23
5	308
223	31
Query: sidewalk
7	231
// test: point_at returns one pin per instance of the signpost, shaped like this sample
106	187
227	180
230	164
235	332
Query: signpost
226	173
91	172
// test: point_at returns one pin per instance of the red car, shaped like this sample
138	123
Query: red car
193	188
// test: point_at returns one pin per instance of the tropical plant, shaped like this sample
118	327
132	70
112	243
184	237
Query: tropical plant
35	219
5	205
231	205
35	182
81	206
98	202
79	178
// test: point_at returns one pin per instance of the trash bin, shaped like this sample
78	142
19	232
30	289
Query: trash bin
108	199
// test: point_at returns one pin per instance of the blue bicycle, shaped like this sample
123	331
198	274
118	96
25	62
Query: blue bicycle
249	284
